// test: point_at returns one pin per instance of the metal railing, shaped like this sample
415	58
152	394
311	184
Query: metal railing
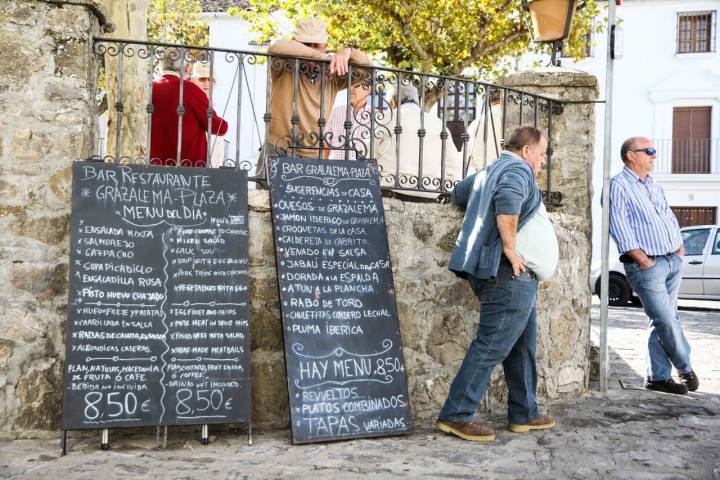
410	141
687	156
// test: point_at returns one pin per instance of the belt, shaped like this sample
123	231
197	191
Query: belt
625	258
670	254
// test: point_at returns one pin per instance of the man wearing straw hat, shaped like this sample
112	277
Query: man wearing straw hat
316	82
202	78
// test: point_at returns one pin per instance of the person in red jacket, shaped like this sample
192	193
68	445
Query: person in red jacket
164	131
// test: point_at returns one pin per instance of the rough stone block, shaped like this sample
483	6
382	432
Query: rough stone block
64	91
6	350
31	146
60	184
21	323
71	21
42	281
269	388
266	326
15	210
39	393
49	230
261	246
20	58
23	14
71	59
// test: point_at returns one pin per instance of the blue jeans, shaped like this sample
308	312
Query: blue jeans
507	333
658	288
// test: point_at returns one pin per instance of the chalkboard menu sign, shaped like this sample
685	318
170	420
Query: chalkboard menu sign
345	368
157	330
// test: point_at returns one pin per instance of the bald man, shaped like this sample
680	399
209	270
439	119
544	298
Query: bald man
648	237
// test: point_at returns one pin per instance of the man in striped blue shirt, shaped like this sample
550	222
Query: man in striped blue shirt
648	236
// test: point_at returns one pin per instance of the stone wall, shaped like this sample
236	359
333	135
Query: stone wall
438	311
573	131
47	116
47	121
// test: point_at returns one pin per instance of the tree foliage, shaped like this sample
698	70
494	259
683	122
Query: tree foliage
443	37
177	21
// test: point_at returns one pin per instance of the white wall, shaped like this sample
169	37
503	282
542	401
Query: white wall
233	33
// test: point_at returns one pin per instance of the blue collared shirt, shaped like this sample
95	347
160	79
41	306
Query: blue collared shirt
506	187
640	216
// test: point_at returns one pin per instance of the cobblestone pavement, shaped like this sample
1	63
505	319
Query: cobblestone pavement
629	433
627	337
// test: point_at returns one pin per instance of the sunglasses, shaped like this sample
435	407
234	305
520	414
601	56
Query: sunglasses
650	151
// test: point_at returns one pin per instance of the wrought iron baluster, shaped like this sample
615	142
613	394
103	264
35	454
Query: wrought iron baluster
266	148
119	107
549	153
348	123
421	133
238	126
697	155
373	88
486	109
149	107
443	136
465	135
180	108
295	119
210	112
398	129
322	121
504	115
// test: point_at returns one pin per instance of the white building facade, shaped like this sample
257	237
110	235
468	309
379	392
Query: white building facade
239	91
666	86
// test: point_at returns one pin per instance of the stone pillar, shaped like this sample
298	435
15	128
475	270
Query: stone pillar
573	131
47	121
564	300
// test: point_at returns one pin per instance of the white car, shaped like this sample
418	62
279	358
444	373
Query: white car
701	269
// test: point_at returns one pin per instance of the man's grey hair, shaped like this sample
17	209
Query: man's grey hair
407	94
172	60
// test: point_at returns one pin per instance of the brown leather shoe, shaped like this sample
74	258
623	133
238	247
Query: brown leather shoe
541	422
471	431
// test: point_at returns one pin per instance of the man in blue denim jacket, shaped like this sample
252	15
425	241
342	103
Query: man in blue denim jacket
498	201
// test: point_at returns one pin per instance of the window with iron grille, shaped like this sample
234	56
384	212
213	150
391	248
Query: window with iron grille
696	32
457	110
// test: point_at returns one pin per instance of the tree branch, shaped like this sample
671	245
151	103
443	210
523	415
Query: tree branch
482	49
405	29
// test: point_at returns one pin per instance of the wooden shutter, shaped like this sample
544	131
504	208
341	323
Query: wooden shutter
691	216
691	140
